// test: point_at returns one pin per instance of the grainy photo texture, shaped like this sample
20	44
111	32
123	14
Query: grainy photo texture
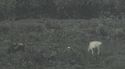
62	34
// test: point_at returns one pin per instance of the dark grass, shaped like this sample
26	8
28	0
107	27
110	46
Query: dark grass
45	44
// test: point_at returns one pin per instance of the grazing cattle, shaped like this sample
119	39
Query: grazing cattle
94	45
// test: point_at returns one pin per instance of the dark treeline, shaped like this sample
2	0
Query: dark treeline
60	8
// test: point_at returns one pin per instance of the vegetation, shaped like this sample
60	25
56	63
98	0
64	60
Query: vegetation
54	34
18	9
61	44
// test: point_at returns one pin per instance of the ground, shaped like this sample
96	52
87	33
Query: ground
61	44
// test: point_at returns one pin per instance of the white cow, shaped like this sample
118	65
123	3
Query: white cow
94	45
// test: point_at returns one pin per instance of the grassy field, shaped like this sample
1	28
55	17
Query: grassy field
43	44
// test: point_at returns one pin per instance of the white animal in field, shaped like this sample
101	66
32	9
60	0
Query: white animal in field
94	45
